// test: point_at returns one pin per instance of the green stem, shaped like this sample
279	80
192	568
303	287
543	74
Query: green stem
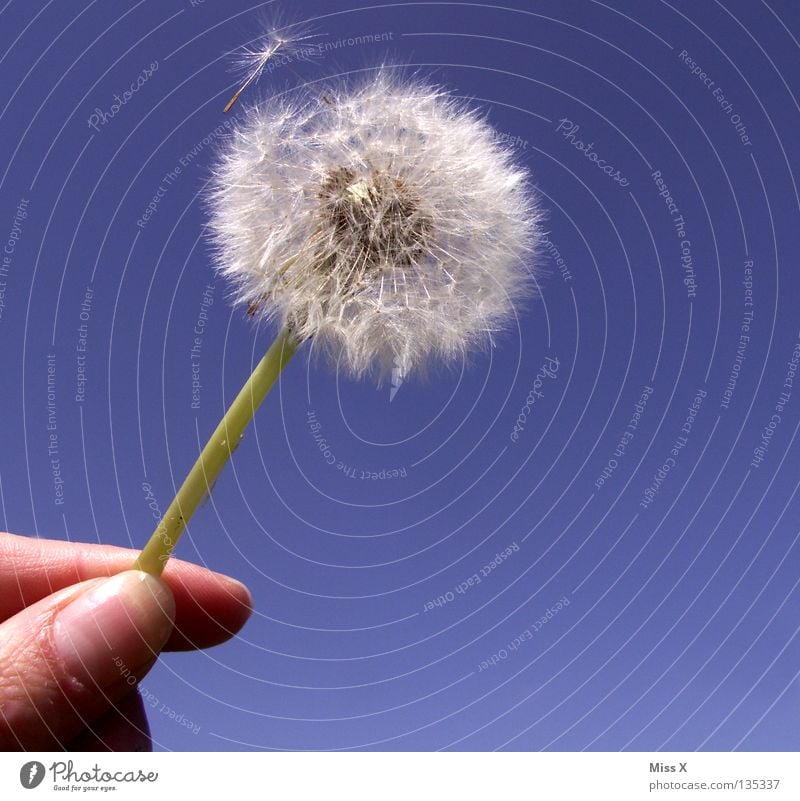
212	459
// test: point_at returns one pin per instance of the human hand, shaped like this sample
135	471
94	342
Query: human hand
76	624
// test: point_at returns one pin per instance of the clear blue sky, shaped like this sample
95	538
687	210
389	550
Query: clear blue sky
636	542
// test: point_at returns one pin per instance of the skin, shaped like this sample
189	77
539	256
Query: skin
79	630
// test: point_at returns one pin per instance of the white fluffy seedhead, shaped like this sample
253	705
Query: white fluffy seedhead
386	221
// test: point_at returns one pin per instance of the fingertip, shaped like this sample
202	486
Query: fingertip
241	596
211	607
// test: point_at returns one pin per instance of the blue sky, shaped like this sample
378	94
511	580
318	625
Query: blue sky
620	571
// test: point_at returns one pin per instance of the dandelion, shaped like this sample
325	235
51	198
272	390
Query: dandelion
386	223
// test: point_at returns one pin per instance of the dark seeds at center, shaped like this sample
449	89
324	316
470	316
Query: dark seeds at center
374	222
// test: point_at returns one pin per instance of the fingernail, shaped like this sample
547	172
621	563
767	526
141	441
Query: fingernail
113	629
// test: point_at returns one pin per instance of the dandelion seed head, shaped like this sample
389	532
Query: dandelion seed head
385	222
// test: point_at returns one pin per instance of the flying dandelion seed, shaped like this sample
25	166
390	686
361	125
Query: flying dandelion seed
386	223
253	58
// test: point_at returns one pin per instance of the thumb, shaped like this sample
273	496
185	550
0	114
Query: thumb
67	659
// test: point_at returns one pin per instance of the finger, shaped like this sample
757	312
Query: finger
68	658
210	607
123	728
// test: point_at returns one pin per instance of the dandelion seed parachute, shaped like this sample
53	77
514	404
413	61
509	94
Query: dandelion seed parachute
251	59
386	221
